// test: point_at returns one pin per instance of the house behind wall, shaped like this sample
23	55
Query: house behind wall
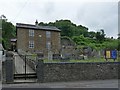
38	39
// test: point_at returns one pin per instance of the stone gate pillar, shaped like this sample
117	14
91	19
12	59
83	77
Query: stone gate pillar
40	69
9	68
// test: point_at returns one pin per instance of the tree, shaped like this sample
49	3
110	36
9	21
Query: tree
42	24
82	37
100	36
91	34
82	30
80	40
8	32
65	26
68	28
118	44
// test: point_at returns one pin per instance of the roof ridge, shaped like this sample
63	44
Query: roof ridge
25	24
37	26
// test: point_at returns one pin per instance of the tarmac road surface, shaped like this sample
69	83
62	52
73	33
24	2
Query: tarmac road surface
76	84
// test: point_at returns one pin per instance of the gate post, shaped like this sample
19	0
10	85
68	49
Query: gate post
9	68
40	69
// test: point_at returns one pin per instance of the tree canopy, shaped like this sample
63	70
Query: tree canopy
8	32
82	36
78	33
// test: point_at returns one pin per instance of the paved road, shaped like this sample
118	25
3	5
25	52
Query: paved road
77	84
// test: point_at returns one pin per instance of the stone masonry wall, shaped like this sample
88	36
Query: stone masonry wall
80	71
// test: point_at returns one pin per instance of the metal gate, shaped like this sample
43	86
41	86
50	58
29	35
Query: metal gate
24	68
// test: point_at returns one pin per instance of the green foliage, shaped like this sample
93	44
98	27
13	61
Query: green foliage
78	33
68	28
111	43
91	34
8	32
95	44
81	61
100	36
79	40
65	26
66	37
119	44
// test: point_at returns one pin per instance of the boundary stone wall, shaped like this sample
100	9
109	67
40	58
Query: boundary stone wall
80	71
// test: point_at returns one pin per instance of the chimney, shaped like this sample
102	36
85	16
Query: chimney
36	22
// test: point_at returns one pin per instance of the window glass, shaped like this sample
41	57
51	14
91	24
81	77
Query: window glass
48	34
31	33
31	44
48	45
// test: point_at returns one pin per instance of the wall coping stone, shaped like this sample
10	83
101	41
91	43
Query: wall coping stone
82	63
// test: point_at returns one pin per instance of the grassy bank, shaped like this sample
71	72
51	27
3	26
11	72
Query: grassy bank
87	60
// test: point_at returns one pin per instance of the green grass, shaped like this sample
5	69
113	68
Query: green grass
52	61
94	60
88	60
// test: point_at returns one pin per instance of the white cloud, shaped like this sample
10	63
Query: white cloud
95	14
100	15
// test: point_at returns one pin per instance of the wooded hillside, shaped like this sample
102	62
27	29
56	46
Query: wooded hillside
78	33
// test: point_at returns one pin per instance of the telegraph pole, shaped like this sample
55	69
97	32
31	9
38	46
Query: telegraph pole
0	29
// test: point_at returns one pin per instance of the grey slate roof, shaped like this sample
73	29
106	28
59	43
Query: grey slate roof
29	26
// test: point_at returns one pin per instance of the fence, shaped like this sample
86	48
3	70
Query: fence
31	60
22	67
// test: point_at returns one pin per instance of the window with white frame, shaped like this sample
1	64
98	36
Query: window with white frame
31	44
31	33
48	34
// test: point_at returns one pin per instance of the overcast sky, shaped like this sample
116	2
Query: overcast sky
94	14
